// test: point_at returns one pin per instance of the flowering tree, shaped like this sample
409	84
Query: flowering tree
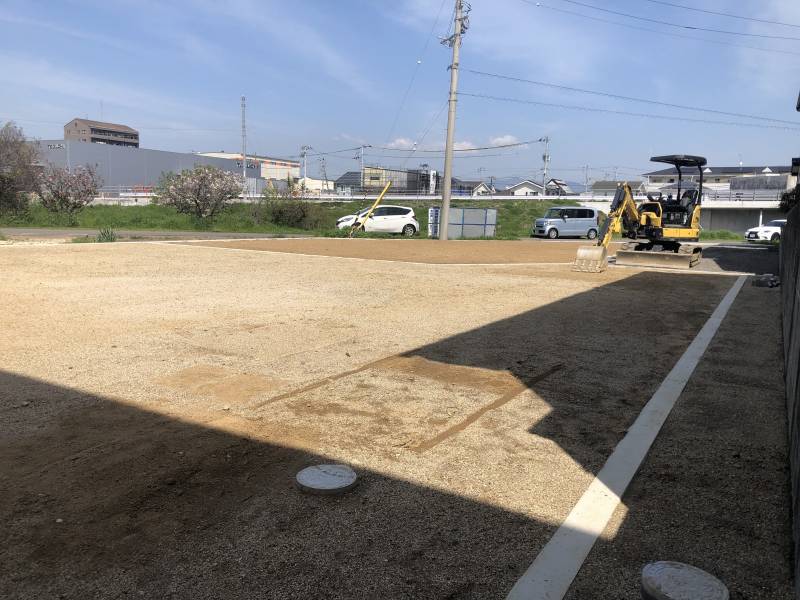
67	192
203	191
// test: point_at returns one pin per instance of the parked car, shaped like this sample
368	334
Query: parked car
769	231
385	219
566	221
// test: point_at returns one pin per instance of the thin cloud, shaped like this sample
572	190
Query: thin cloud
503	140
293	35
21	71
401	144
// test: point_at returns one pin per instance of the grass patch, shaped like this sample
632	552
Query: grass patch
719	234
514	217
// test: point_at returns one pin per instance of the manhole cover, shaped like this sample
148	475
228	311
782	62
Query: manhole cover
327	479
668	580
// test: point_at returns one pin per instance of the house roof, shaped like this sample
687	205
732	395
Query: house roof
104	125
737	170
523	182
351	178
466	182
610	185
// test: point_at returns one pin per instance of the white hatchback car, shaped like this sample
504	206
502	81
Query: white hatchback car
770	231
385	219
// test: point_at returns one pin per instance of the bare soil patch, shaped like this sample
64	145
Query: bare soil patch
423	251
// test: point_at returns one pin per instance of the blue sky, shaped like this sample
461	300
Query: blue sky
333	74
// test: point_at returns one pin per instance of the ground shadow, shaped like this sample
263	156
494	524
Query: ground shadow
100	499
604	353
745	258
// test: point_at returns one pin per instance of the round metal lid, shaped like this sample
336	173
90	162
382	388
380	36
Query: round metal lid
668	580
327	479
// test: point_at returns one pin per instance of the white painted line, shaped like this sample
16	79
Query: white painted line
553	570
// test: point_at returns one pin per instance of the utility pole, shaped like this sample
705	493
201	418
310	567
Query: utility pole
324	174
460	25
360	157
585	178
491	186
304	153
545	161
244	153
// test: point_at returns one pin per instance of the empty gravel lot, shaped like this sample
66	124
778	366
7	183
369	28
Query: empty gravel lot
158	398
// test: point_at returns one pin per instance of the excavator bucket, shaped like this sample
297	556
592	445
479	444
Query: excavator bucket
591	259
669	260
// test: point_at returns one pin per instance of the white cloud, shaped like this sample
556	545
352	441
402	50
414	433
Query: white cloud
401	144
465	145
503	140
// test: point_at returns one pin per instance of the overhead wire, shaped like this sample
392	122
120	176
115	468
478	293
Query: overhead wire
414	74
660	32
681	26
628	113
723	14
628	98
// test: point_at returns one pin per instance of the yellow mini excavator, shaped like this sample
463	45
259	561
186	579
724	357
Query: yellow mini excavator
657	229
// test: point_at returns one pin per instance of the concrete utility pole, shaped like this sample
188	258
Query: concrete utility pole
545	161
244	153
304	153
460	25
361	159
585	178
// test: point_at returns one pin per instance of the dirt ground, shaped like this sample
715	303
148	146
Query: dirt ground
157	400
425	251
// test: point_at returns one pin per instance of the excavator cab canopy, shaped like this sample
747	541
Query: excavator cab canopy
685	160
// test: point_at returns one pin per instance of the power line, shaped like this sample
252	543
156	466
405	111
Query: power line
678	25
629	98
425	133
628	113
414	74
723	14
514	145
668	33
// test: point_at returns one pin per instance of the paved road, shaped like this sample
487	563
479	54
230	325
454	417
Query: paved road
47	233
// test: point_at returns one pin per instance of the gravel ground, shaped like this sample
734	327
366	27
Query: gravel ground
714	489
157	400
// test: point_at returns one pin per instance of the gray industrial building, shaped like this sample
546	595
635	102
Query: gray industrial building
129	167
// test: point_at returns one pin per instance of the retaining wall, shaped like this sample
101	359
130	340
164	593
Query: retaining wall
790	297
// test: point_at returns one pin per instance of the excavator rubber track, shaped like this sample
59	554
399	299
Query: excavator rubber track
642	255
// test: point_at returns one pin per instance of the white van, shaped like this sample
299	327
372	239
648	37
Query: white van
567	221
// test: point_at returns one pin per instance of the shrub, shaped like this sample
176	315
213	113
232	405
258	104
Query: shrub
790	199
107	234
203	191
68	192
286	212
